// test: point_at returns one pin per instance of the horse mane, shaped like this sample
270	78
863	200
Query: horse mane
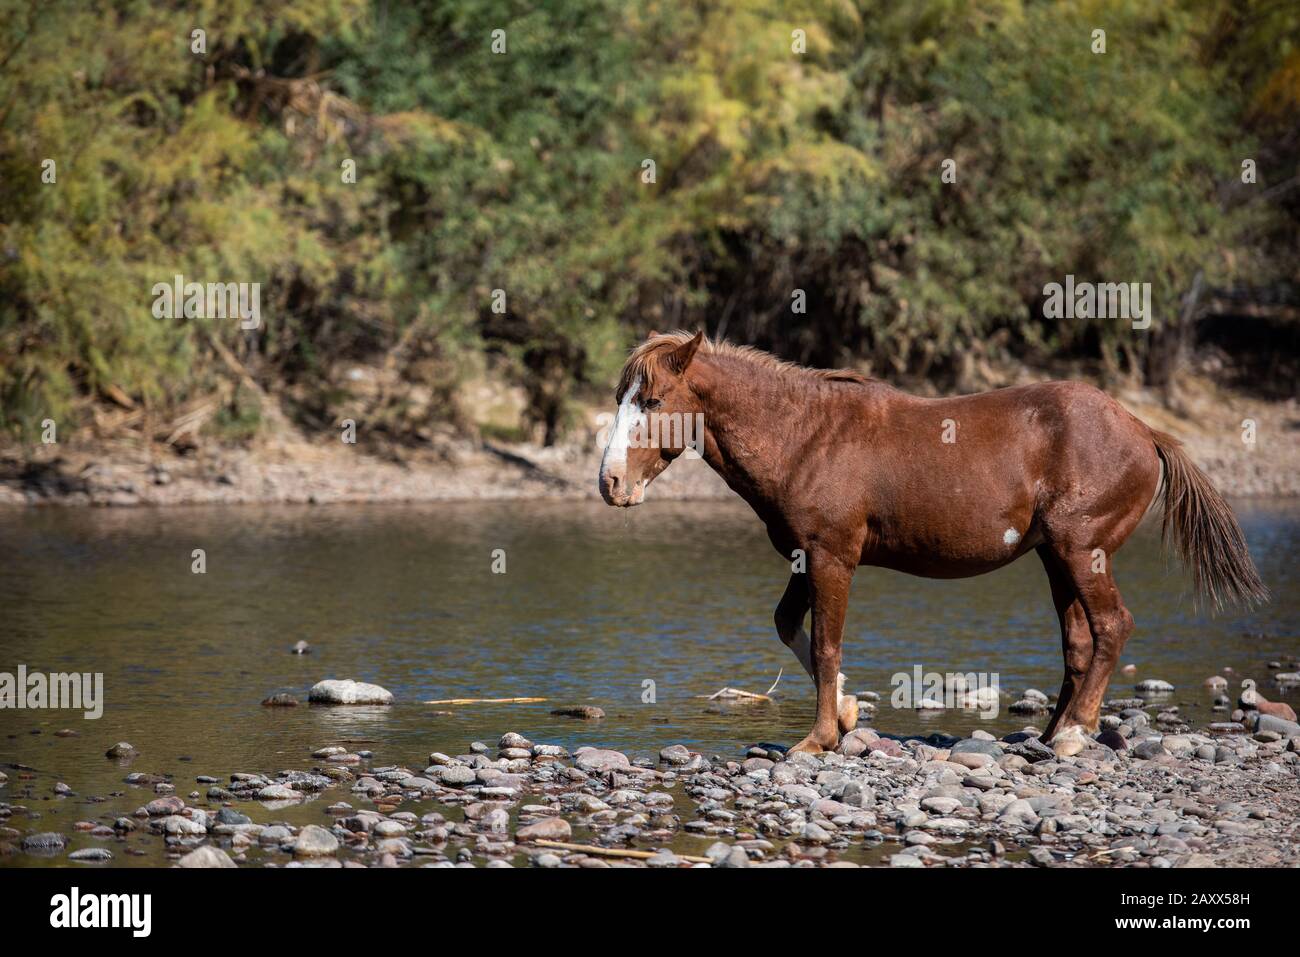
645	362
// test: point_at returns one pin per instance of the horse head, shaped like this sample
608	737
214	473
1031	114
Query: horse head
654	424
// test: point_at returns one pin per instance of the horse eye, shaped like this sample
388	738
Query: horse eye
652	404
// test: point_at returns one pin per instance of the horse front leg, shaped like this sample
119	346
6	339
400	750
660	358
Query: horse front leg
828	588
790	613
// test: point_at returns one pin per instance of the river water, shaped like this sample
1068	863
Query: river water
642	613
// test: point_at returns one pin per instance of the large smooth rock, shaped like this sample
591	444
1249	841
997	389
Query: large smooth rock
45	841
180	826
1019	812
206	856
857	742
1268	722
548	828
675	754
599	760
886	746
165	806
314	841
1148	749
1112	739
91	854
977	746
347	691
453	775
1153	686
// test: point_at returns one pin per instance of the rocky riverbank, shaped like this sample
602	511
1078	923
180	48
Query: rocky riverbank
1147	792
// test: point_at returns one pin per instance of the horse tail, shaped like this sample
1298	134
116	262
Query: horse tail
1208	539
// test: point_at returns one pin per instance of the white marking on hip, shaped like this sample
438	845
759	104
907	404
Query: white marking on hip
1010	536
620	433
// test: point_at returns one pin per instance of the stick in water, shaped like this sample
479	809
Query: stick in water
486	701
613	851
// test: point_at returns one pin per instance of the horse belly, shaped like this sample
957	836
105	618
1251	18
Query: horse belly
940	565
960	539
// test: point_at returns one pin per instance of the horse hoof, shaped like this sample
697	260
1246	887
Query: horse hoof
848	716
811	745
1069	741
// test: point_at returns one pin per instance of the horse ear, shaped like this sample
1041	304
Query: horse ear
653	334
681	357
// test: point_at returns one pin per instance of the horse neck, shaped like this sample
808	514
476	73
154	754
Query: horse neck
749	413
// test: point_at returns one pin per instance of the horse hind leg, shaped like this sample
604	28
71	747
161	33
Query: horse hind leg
1111	625
790	613
1076	649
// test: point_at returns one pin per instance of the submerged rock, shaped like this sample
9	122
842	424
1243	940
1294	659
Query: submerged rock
45	841
1028	706
585	711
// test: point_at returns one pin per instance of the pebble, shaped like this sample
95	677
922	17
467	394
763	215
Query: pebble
1145	789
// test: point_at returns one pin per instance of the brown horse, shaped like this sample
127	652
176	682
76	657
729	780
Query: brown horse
848	471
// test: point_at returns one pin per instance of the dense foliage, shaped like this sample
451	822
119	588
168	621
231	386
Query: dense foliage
503	212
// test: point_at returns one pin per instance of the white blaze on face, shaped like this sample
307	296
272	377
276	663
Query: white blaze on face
620	433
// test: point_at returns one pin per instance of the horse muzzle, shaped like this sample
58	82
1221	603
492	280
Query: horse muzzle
615	490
